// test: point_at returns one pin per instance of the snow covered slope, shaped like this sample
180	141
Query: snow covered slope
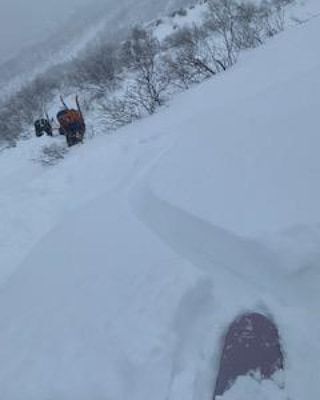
122	265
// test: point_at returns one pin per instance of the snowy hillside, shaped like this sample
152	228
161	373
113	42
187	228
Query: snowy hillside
81	28
122	265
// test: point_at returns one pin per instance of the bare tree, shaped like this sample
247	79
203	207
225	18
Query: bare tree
221	20
190	56
273	16
249	30
141	52
119	112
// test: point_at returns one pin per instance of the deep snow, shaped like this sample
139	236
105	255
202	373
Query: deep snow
122	265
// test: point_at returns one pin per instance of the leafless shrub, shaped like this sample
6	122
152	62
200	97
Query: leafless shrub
272	16
191	56
221	21
141	52
249	26
243	25
119	112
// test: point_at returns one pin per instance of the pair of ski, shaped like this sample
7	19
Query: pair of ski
251	345
65	106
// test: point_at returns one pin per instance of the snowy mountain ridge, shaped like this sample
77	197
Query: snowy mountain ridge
123	264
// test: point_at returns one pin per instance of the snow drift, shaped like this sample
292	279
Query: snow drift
123	264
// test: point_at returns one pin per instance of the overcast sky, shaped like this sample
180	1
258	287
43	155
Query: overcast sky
24	21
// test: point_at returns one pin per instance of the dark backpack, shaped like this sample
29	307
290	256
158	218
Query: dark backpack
42	126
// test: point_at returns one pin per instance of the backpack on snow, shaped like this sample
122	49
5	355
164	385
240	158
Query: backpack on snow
42	126
72	124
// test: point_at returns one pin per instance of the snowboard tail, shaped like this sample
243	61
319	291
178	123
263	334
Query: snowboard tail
251	344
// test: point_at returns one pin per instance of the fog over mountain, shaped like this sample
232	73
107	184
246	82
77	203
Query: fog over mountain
24	23
38	33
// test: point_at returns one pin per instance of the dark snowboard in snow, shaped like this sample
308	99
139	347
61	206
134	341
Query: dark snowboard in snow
251	344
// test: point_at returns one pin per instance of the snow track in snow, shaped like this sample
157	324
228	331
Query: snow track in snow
127	280
230	264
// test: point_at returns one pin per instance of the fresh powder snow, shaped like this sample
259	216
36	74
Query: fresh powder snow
123	264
